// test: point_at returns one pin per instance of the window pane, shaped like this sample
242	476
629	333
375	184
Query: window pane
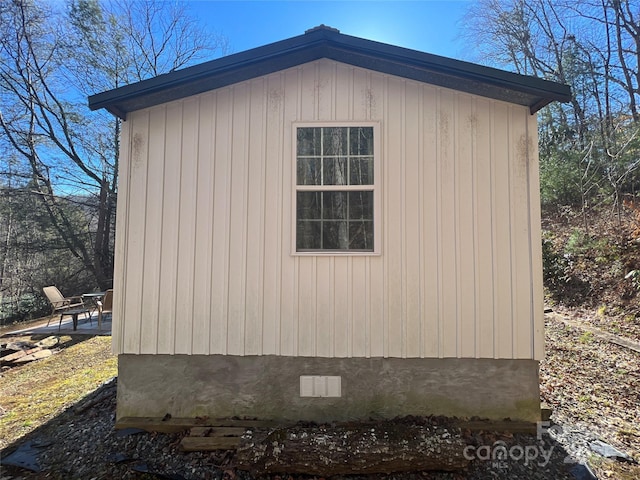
361	171
361	205
335	205
309	141
335	171
309	205
334	220
308	235
335	235
309	171
361	141
361	235
335	141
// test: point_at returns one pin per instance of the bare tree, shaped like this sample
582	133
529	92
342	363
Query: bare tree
594	47
51	58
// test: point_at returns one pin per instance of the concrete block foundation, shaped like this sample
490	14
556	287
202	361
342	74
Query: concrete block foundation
268	387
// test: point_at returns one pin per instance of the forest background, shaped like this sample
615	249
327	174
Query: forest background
59	161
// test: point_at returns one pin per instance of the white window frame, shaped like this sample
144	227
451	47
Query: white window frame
375	188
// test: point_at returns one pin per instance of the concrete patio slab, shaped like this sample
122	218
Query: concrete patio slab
86	326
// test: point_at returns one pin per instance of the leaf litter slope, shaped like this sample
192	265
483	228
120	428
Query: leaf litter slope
594	385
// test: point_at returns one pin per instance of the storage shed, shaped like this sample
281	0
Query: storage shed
329	228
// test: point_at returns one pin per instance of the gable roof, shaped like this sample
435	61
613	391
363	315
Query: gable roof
326	42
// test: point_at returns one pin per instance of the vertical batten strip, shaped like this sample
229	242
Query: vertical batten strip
220	213
238	230
483	220
254	298
501	203
324	307
153	229
449	241
520	235
136	234
402	258
475	125
456	193
522	238
375	107
288	316
438	221
171	218
420	224
367	308
121	240
393	251
412	220
195	259
466	234
187	199
387	216
280	183
494	241
537	295
508	345
270	225
516	193
494	232
176	290
204	227
429	222
368	301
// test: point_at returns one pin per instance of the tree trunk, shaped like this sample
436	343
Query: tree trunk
345	449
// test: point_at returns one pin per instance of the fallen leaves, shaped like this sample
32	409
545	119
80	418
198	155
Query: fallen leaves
595	384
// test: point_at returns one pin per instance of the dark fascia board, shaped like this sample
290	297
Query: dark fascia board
325	42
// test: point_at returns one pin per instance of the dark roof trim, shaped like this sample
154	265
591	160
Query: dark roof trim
325	42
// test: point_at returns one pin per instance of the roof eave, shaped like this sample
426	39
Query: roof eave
327	43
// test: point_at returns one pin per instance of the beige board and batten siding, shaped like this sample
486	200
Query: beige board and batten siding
204	260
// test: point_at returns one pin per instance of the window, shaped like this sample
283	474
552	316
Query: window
335	189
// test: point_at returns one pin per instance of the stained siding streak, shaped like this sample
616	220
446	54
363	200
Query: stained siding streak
136	238
207	211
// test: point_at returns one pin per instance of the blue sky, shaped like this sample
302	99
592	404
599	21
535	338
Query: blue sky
429	26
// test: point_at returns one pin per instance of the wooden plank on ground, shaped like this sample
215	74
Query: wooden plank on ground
39	354
174	425
206	444
217	431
